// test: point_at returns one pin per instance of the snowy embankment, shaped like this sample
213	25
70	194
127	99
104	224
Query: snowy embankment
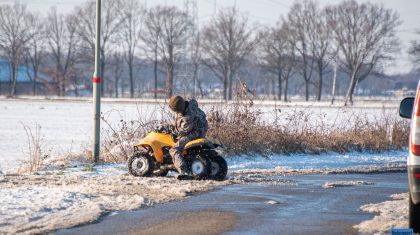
61	197
389	214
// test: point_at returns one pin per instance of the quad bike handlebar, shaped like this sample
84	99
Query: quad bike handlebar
166	129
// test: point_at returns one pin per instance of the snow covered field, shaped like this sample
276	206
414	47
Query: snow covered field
64	197
66	125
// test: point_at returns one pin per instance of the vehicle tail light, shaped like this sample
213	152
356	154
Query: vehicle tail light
415	125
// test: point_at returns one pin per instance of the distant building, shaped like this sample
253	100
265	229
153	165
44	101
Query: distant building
404	92
24	83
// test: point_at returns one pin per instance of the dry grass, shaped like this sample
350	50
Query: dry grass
119	139
241	128
35	153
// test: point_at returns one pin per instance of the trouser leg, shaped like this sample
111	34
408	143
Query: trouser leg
176	154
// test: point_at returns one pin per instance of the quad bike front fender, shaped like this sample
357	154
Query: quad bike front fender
157	151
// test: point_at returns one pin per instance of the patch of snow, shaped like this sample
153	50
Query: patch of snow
60	199
389	214
272	202
345	183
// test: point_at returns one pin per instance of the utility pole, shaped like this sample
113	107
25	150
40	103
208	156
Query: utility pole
97	86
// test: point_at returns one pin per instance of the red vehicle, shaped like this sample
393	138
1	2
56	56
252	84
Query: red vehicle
410	108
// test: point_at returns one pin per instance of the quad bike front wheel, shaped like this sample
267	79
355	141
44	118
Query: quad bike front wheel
219	168
140	164
200	167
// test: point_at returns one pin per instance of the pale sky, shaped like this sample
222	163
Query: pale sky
268	12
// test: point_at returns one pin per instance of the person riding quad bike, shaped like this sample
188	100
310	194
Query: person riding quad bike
190	124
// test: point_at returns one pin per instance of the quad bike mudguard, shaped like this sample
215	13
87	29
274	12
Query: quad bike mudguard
156	141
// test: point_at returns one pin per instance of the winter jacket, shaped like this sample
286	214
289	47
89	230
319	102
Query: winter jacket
192	121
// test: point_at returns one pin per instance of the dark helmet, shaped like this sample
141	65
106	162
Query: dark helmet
177	104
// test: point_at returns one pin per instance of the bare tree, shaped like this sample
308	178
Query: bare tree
150	37
322	50
35	50
117	71
300	20
196	58
62	44
170	24
414	51
131	28
365	34
278	55
227	40
14	35
111	24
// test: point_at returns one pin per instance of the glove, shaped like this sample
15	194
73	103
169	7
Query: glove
162	128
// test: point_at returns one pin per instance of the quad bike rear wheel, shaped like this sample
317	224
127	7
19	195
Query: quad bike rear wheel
199	166
140	164
219	168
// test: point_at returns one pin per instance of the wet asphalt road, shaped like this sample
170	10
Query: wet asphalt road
304	207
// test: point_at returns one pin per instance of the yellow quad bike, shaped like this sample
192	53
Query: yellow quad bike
151	157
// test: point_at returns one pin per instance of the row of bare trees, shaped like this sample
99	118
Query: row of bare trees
352	37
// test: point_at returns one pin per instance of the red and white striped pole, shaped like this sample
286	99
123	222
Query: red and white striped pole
97	86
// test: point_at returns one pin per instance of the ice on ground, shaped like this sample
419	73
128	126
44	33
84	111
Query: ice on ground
389	214
327	161
272	202
345	183
40	203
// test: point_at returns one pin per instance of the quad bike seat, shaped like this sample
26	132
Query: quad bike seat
195	142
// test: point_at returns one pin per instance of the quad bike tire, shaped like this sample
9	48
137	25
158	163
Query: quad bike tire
219	168
140	165
199	166
413	216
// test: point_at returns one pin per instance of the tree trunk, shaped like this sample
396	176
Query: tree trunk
155	71
349	96
306	90
334	83
117	78
200	88
279	84
14	80
34	83
230	77
286	86
170	80
195	75
130	71
61	87
170	70
273	88
320	85
225	86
